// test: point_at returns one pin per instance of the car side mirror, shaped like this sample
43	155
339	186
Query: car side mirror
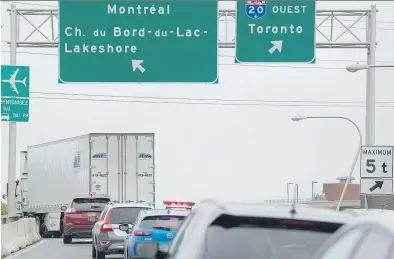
146	250
124	227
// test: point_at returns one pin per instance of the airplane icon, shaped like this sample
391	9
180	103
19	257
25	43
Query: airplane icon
13	81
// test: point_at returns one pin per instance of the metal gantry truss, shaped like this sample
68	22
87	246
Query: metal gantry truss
227	18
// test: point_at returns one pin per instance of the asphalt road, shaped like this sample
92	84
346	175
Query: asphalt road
54	248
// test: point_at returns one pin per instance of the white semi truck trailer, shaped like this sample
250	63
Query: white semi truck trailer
118	165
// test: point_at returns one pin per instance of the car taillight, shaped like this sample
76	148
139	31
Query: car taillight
142	233
70	210
106	227
181	203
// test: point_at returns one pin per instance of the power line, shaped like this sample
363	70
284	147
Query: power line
207	99
325	60
221	55
243	64
206	103
317	18
54	6
42	5
341	27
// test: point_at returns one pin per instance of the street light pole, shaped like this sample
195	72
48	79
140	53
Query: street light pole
313	182
298	118
370	67
356	67
287	188
370	94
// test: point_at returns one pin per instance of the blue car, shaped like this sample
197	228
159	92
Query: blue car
158	225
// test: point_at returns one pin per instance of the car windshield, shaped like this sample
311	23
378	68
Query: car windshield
162	222
87	204
257	238
125	215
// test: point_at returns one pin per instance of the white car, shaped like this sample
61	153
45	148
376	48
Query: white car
367	237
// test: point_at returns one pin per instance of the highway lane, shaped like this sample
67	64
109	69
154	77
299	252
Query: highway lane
54	248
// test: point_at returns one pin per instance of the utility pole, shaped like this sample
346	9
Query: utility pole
11	199
313	192
370	95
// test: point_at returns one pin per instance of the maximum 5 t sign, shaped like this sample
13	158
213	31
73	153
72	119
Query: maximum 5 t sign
376	162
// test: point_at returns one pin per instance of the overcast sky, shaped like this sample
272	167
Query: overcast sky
228	151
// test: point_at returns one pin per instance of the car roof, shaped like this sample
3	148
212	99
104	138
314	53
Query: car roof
87	196
130	205
384	218
283	211
165	212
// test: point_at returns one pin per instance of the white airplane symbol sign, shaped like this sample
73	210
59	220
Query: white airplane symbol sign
13	81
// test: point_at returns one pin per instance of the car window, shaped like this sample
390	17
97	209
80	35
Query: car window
232	237
181	232
168	222
343	247
374	245
125	215
89	203
102	215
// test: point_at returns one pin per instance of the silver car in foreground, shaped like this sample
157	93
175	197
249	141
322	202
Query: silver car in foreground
370	236
107	238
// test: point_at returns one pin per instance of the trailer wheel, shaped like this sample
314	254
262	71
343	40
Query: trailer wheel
67	239
38	225
41	227
93	251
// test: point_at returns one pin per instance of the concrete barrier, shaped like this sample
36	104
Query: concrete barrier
19	234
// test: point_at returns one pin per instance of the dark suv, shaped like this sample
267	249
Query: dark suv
82	214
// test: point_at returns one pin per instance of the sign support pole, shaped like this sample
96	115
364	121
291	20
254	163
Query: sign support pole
11	199
370	96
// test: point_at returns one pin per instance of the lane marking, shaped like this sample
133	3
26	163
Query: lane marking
24	250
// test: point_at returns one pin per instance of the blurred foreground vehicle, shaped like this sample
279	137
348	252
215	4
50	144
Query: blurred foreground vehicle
367	237
80	217
107	237
232	230
159	226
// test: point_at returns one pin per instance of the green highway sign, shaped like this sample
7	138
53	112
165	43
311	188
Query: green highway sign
15	93
275	31
138	41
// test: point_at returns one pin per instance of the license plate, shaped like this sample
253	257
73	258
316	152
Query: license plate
91	214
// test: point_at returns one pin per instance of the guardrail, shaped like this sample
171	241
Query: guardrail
18	235
318	203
